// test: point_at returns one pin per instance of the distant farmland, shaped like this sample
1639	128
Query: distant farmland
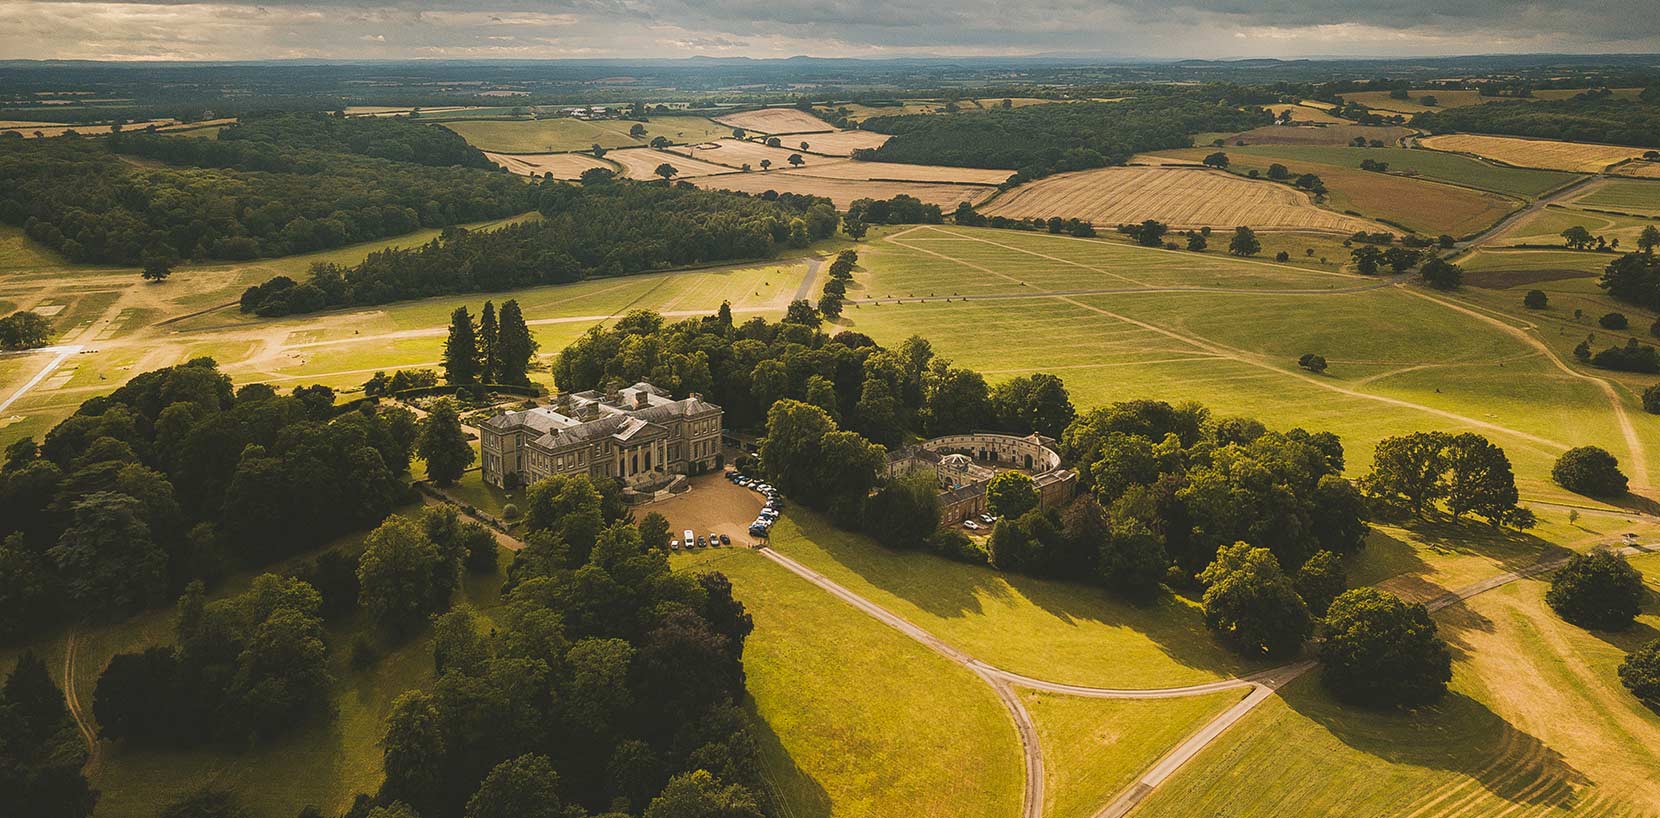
1579	157
553	135
844	191
776	121
1330	135
843	143
642	163
561	165
1180	197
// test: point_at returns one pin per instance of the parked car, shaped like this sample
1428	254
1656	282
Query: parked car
971	525
725	540
758	530
687	536
700	542
714	539
674	545
987	519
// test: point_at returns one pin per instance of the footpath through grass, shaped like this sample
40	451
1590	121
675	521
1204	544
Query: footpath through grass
1056	631
1536	724
1094	748
853	718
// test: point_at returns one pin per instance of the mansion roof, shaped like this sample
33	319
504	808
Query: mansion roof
631	415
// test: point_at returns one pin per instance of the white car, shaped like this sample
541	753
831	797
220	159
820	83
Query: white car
674	545
971	525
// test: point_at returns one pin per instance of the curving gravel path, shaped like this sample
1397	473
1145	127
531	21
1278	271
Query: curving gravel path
1262	685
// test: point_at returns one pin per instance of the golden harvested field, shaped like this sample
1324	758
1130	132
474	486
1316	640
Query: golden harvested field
29	129
901	172
641	163
561	165
1305	113
844	191
1380	100
1579	157
860	113
775	121
844	143
735	153
1334	135
1639	169
1413	203
1180	197
386	110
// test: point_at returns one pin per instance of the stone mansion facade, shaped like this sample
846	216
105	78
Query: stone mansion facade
638	434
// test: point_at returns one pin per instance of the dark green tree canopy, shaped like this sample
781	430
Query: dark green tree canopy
1382	652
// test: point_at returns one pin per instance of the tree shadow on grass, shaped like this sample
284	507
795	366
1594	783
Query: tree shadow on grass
1458	735
1636	503
793	792
951	590
1453	621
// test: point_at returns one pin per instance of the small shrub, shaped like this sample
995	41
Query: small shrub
1312	362
1535	300
1614	320
510	512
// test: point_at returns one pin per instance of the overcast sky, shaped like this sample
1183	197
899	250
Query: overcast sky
161	29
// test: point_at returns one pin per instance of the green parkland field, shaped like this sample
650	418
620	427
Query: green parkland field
1117	322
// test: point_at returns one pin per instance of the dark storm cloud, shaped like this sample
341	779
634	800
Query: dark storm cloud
555	28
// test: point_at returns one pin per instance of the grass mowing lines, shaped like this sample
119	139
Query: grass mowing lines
1392	351
1094	748
855	719
1052	630
1536	724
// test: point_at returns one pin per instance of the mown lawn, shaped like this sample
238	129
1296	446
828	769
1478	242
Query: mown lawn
1094	748
1536	724
1056	631
854	719
1398	362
